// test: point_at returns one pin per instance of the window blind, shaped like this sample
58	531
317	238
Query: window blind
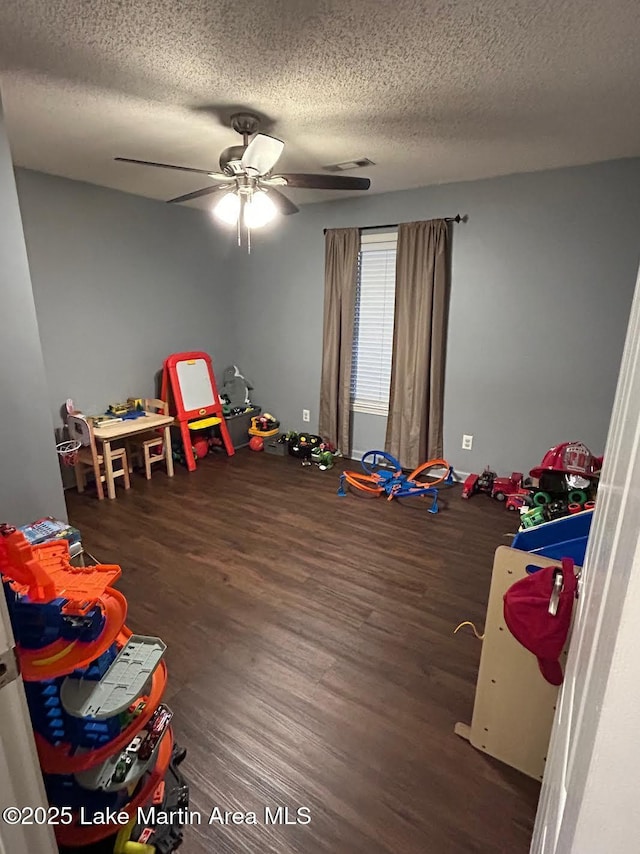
373	325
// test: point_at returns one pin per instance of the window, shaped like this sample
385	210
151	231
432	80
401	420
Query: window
373	324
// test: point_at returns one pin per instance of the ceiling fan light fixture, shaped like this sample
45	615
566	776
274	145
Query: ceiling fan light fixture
259	210
246	193
227	209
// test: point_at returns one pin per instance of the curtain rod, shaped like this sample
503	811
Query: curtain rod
456	218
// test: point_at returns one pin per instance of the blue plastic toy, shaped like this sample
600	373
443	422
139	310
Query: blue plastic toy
566	537
383	475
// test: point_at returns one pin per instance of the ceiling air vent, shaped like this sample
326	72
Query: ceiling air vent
346	165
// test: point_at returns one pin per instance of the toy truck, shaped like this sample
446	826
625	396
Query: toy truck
505	486
478	483
488	482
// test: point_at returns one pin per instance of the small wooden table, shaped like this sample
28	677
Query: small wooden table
125	429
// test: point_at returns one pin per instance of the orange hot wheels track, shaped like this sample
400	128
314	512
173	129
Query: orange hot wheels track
44	573
74	835
63	657
60	760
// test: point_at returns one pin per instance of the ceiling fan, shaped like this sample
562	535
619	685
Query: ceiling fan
248	190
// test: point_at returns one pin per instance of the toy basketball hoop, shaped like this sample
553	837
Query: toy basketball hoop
68	452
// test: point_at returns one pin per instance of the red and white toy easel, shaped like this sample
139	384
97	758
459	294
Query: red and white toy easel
189	386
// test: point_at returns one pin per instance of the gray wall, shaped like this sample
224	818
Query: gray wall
542	281
30	484
119	283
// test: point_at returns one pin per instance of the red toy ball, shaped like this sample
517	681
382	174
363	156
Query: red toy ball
256	443
200	448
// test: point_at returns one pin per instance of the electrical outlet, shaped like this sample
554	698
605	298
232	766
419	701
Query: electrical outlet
305	414
467	442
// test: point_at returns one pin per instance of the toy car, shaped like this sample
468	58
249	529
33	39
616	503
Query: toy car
137	708
121	770
531	518
521	498
155	730
134	744
76	622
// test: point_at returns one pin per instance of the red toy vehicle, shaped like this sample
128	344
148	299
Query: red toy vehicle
155	730
497	487
521	498
505	486
478	483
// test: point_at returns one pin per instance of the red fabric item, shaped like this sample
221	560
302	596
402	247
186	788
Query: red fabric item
526	613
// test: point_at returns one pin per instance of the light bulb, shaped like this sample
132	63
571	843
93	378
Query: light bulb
259	210
228	209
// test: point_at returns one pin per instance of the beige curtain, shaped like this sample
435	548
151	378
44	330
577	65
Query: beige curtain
414	425
342	246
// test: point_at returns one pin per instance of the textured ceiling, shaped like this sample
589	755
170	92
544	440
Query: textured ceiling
431	91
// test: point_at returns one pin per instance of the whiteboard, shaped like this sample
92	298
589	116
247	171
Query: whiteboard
195	384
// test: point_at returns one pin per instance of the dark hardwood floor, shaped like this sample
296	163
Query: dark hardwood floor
311	655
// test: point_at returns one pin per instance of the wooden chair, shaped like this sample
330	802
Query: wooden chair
80	430
150	445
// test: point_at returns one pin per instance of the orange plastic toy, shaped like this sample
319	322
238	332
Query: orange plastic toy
382	474
44	573
63	657
61	760
74	835
72	602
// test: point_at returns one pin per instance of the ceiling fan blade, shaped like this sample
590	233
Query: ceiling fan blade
283	204
205	191
262	154
306	181
217	176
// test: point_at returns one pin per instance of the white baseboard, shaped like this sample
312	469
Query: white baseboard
460	475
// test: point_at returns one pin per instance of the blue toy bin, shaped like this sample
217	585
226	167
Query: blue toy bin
566	537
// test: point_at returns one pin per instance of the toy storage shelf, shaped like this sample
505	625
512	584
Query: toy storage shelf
514	705
238	426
